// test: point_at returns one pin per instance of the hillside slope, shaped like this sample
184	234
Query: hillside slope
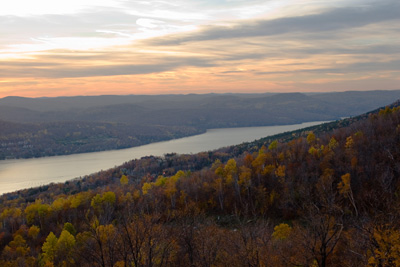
309	198
67	125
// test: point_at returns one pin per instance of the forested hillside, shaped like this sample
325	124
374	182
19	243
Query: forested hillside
28	140
36	127
309	198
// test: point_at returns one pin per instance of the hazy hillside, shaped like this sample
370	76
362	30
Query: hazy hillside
68	125
132	108
313	197
19	140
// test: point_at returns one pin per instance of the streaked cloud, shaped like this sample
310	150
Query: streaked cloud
332	20
43	7
201	46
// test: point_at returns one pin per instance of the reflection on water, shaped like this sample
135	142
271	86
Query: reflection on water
26	173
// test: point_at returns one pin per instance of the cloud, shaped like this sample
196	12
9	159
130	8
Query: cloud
19	30
40	7
332	20
51	69
364	67
324	45
149	23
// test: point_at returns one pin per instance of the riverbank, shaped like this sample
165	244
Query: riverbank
25	173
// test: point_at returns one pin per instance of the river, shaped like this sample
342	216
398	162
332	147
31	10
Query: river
25	173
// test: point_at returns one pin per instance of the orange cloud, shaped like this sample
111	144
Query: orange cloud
320	51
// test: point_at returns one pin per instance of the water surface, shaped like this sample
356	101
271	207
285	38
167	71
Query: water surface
26	173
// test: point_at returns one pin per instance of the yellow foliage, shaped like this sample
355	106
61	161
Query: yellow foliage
359	134
280	171
105	198
33	231
218	184
96	200
281	231
127	198
65	248
18	245
11	212
349	142
262	150
325	181
182	197
170	188
328	172
387	252
229	179
386	111
146	187
124	180
314	264
273	145
344	185
219	171
268	169
332	143
245	176
36	209
288	154
259	161
313	151
160	181
78	199
311	138
49	264
230	167
70	228
59	204
136	194
105	232
49	247
95	223
65	242
217	163
179	174
108	197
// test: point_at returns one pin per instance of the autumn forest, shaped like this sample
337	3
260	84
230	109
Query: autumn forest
324	196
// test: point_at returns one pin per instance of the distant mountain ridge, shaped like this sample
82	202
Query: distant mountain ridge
350	101
68	124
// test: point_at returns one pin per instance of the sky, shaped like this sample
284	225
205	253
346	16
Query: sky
97	47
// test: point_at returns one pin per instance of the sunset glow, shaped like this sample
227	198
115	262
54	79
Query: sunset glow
87	47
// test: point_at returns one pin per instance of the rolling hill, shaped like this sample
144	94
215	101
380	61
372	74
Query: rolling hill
322	196
79	124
